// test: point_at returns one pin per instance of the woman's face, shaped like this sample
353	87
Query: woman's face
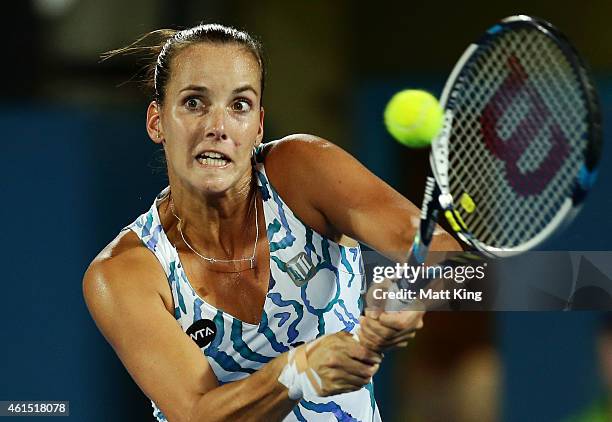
211	117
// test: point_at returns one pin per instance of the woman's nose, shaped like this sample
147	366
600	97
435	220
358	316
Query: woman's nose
216	124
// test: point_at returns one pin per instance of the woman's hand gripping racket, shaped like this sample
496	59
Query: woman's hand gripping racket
519	146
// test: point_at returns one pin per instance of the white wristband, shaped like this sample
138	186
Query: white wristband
298	377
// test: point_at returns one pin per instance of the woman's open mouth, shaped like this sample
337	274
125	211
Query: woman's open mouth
213	159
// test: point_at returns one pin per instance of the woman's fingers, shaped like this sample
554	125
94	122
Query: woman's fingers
402	320
382	331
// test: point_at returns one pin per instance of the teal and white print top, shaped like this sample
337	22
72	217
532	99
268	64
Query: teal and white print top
314	289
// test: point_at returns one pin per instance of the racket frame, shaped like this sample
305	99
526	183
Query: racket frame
438	199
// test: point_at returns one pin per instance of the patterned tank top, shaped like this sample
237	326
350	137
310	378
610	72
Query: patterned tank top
314	289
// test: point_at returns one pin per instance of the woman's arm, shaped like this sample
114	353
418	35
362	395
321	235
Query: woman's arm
127	294
337	195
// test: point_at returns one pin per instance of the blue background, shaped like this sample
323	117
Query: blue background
76	177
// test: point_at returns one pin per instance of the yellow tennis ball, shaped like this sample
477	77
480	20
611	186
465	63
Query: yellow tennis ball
413	117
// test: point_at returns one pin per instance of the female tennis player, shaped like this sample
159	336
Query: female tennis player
235	295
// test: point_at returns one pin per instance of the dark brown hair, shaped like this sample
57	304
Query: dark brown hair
159	47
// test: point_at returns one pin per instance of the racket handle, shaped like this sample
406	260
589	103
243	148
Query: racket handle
418	252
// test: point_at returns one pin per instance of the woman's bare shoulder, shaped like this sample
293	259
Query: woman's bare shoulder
293	159
294	165
123	268
124	252
290	144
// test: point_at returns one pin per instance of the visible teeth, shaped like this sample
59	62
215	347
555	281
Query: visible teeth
213	154
213	162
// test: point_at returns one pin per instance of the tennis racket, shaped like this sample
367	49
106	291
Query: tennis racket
519	146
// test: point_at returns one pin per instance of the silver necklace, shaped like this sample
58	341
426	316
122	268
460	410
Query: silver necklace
213	260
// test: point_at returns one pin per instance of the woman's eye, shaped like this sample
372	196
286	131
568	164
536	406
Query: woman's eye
241	105
193	103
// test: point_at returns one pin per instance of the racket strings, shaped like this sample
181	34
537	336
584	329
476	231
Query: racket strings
537	149
518	137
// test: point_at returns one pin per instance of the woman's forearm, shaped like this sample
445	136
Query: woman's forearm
258	397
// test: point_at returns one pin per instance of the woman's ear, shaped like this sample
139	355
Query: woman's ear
154	126
260	132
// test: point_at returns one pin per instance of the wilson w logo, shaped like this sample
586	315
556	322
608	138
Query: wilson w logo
536	121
